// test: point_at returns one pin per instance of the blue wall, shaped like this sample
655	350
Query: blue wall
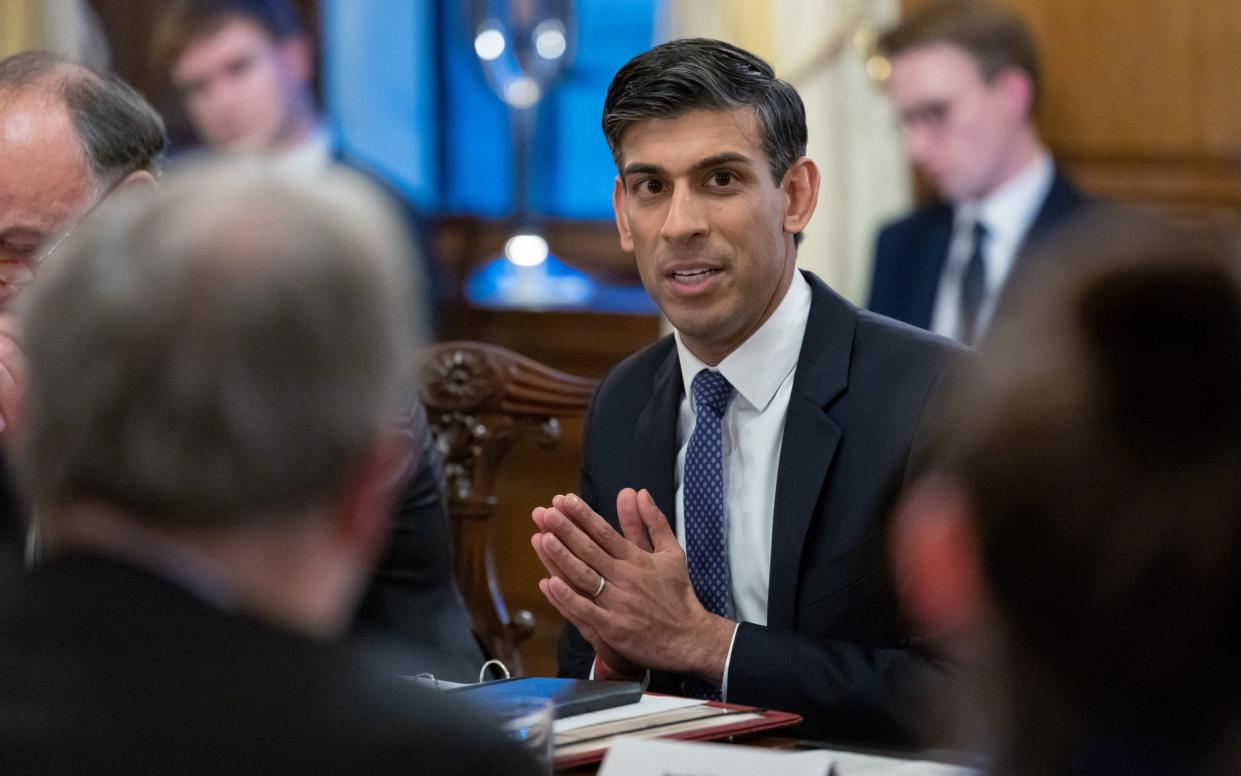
405	91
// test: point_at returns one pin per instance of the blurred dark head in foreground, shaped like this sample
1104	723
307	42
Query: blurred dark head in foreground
214	365
1080	546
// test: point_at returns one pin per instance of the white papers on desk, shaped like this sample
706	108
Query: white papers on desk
650	704
658	757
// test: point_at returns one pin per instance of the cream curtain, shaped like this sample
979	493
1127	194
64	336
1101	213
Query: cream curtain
67	27
820	46
21	25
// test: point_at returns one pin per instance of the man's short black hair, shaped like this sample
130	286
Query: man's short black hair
119	130
698	73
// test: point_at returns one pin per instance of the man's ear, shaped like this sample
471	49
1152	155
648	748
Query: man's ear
1017	89
801	186
296	54
936	561
138	180
365	502
622	218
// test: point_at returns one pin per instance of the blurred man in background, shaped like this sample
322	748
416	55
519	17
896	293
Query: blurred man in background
1079	549
244	71
965	84
207	438
70	138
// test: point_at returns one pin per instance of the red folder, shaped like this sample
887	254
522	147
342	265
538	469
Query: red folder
744	725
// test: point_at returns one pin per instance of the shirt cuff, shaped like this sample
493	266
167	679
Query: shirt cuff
728	661
646	676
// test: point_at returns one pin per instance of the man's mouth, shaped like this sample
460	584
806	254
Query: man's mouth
690	275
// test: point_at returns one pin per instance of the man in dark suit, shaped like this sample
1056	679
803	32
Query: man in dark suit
965	83
86	136
208	440
766	433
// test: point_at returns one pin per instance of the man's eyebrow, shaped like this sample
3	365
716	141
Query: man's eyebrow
639	168
728	157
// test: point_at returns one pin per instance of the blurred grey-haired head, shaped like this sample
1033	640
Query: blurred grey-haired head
225	349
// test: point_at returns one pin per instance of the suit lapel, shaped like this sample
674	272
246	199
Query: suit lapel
809	443
654	438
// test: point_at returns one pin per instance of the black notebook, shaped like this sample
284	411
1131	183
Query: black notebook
571	696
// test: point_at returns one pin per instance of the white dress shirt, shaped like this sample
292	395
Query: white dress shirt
1007	214
761	371
307	161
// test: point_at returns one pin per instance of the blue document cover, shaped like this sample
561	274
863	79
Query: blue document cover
571	696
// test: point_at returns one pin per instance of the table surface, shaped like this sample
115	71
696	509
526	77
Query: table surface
768	741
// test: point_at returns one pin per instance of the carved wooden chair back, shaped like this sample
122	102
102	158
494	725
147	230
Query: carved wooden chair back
480	400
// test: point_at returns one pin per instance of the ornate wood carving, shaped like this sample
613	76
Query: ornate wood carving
480	400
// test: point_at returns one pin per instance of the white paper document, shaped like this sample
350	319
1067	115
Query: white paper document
661	757
656	757
650	704
851	764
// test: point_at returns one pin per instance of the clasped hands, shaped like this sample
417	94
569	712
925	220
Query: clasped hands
645	614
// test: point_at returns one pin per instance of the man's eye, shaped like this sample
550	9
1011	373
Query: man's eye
17	251
933	114
722	178
239	66
936	114
651	186
191	89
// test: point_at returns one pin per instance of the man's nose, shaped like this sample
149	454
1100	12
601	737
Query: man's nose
221	96
686	217
918	142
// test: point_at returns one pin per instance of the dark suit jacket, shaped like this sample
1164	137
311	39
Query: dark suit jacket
413	598
12	527
910	254
105	668
834	648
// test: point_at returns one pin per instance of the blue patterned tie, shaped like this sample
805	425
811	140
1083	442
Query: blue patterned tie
706	547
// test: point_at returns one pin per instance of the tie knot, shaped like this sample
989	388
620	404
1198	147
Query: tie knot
980	231
712	391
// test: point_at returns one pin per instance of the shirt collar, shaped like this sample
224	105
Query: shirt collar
307	160
757	367
1008	211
